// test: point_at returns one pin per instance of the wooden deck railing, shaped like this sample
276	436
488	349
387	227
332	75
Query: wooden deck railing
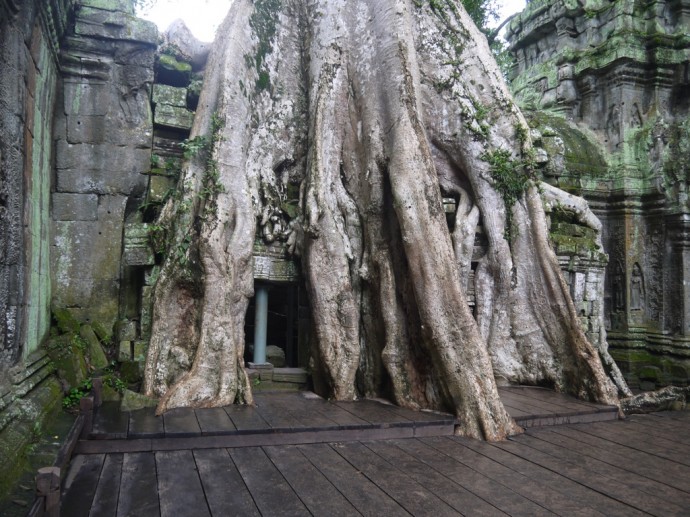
49	479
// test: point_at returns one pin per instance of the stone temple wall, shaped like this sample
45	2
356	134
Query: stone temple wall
75	153
608	86
29	46
103	139
30	33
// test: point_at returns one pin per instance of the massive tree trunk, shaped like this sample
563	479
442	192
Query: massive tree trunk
376	109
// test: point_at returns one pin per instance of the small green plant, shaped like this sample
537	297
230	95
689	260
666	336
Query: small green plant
115	382
71	400
158	235
79	342
510	180
193	146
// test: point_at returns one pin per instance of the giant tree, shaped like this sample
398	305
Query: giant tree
373	110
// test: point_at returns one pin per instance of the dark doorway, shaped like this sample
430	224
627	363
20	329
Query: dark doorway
282	322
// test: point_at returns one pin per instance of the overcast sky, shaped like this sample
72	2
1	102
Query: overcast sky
204	16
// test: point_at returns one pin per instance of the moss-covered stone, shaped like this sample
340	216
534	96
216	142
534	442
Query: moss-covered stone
130	372
67	353
173	72
124	6
582	155
94	351
171	95
36	409
66	322
132	401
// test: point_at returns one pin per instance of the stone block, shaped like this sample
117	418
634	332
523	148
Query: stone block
139	256
173	117
88	98
124	6
275	355
151	275
173	72
137	245
167	147
170	95
131	401
146	311
160	188
125	351
577	287
101	169
293	375
130	371
140	350
101	181
68	359
94	351
90	251
126	330
591	291
75	207
111	25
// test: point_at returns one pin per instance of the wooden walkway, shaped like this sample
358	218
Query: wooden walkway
301	418
637	466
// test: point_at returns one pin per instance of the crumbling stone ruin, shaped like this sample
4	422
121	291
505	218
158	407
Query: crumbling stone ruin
606	87
95	113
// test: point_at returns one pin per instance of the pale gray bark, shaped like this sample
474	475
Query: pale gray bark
378	107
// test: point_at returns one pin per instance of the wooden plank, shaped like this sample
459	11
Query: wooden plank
544	496
652	467
138	486
272	494
542	421
678	416
105	500
663	428
314	490
577	452
276	415
364	495
514	411
623	435
181	422
580	474
64	455
226	493
179	486
214	421
551	396
547	399
109	422
143	423
590	499
422	417
245	439
407	492
302	410
450	491
489	490
80	484
521	404
112	446
549	408
375	413
340	416
247	419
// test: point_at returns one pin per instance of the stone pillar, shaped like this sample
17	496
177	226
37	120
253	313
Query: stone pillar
260	323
